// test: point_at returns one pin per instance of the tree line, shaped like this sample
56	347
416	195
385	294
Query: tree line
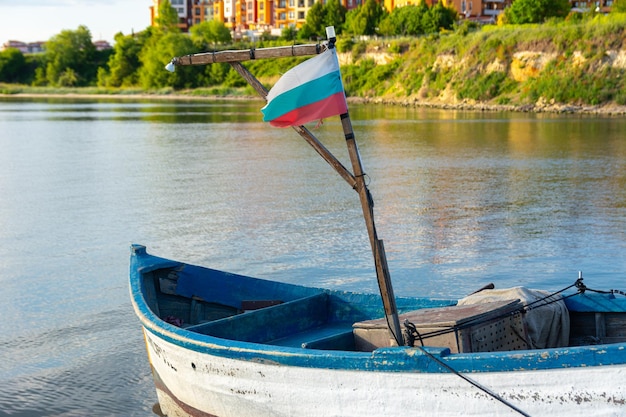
137	60
71	60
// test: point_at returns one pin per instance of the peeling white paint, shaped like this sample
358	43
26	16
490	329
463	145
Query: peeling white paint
227	387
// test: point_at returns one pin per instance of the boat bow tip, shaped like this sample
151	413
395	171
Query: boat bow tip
136	249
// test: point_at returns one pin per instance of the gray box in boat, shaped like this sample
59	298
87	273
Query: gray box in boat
487	327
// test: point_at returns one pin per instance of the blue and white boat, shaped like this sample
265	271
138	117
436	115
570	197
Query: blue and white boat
227	345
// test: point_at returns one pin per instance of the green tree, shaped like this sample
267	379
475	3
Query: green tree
334	15
440	17
167	17
124	63
216	73
364	20
535	11
619	6
314	25
71	57
210	32
157	53
12	66
404	21
288	33
68	78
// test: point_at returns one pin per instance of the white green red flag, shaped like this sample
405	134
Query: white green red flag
310	91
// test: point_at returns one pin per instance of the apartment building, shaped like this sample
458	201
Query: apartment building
38	47
201	11
263	15
602	6
24	47
183	9
243	14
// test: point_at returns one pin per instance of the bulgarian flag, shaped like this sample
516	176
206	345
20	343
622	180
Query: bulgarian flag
310	91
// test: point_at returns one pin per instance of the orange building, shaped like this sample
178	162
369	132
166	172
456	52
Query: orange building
201	11
218	11
264	15
183	10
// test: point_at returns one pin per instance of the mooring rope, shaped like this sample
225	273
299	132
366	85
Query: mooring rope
474	383
412	334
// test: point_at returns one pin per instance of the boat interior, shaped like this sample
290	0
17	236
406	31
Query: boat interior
246	309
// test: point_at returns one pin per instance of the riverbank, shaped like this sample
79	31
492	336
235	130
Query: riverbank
541	106
576	65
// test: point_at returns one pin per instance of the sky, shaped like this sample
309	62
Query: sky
39	20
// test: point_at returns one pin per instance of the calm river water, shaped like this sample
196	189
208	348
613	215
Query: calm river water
462	199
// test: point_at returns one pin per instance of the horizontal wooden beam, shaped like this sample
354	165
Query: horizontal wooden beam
206	58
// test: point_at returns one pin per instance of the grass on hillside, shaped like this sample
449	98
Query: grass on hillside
480	65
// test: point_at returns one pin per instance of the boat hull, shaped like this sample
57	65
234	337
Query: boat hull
197	372
193	383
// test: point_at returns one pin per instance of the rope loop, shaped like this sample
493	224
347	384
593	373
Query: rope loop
411	333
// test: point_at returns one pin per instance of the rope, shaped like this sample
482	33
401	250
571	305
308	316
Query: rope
578	284
474	383
412	334
547	300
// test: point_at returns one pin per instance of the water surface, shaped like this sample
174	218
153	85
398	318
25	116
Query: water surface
461	199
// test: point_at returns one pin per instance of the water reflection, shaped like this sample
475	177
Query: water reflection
157	110
461	199
476	195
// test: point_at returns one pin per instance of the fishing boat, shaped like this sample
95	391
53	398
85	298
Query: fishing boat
223	344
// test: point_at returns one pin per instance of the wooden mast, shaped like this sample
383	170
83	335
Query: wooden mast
356	179
367	204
